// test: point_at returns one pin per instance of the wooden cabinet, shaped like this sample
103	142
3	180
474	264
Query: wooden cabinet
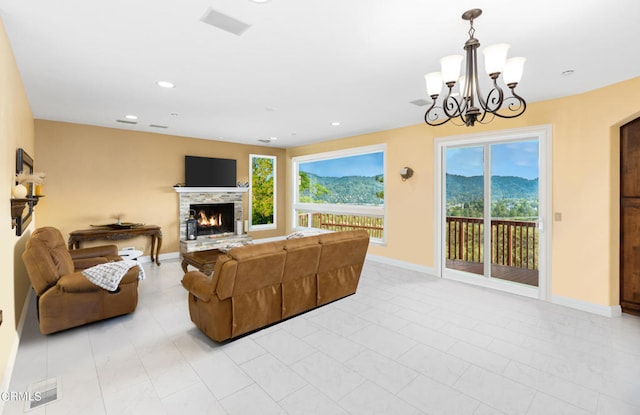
630	217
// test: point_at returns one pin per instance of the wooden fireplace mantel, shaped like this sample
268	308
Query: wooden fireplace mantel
185	189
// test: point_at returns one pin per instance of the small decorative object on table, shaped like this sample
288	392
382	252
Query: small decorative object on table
119	225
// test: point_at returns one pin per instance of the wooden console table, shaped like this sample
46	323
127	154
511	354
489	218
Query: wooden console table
111	234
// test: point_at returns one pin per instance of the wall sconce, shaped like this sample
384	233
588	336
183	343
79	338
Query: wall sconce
405	173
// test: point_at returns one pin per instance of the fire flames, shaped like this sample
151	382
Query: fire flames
207	221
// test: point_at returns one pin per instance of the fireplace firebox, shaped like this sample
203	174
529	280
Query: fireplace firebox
214	218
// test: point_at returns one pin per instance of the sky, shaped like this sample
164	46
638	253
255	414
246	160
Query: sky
518	159
360	165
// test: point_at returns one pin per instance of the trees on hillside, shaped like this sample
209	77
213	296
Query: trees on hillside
262	188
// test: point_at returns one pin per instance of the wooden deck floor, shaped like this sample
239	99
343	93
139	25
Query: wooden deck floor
523	276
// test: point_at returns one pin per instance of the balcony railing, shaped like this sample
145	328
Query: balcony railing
513	243
374	225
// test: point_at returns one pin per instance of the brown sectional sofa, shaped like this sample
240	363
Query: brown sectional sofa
66	298
257	285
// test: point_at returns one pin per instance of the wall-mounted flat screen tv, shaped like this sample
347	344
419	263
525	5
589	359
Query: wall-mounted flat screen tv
209	172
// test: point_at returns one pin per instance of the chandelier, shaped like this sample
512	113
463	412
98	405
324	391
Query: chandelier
470	106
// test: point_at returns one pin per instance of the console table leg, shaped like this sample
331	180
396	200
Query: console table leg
153	248
158	250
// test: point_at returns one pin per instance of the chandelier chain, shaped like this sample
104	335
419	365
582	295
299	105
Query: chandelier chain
472	30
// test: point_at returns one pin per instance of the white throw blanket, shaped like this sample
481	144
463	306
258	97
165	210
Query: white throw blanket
109	275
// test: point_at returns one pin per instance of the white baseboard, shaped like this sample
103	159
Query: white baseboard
13	354
401	264
602	310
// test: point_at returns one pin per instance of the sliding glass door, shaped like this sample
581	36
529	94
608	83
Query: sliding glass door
465	198
491	205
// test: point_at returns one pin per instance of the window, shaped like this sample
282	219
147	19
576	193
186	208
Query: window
341	190
262	197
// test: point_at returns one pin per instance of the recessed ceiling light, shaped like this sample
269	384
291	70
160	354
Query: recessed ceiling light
131	117
260	1
335	123
273	138
165	84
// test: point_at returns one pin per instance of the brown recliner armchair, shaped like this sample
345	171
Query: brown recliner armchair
66	298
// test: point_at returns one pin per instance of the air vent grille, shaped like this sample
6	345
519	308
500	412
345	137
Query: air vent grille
127	122
224	22
420	102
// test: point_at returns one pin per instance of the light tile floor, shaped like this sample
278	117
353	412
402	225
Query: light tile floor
406	343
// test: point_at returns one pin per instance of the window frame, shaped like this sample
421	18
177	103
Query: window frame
348	209
266	226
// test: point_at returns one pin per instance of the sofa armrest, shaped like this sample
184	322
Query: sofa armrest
198	284
84	263
225	273
103	251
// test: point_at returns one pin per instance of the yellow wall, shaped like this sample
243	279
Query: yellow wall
96	173
585	183
16	130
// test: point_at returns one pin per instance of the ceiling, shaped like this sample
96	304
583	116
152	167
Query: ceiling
300	66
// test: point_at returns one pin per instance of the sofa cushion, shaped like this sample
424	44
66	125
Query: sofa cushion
252	250
42	271
341	249
63	261
302	257
51	239
259	272
76	283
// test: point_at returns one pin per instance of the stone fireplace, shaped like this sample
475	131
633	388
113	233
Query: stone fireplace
221	208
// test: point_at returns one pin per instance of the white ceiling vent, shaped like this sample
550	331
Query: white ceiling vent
224	22
420	102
